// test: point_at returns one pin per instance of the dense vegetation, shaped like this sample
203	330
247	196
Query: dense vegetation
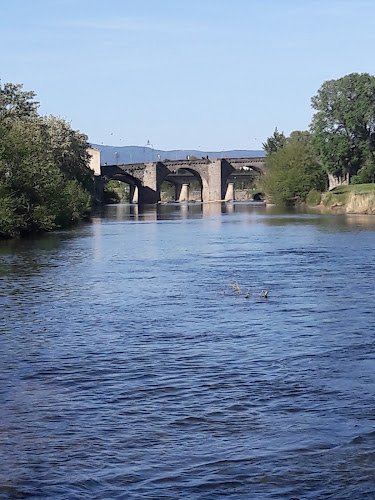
343	127
116	192
291	169
341	143
44	174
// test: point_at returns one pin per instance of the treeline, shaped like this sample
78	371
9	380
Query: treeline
338	148
45	180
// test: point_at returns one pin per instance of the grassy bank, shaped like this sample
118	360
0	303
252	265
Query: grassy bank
354	199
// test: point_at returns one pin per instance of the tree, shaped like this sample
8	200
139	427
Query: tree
16	103
35	194
292	171
343	127
44	173
274	143
366	174
68	149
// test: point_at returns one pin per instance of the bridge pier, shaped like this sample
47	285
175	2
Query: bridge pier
134	193
229	196
214	183
184	193
213	175
97	190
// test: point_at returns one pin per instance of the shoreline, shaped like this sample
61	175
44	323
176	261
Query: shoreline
355	199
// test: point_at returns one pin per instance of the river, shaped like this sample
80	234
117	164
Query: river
131	368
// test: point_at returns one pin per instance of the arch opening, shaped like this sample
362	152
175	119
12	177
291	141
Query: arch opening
188	185
122	188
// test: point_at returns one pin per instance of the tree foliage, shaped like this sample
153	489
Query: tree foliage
275	142
366	174
343	127
43	167
292	171
68	149
16	103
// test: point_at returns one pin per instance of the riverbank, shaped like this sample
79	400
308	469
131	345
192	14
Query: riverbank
353	199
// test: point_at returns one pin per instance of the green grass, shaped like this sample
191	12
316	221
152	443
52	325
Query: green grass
354	188
340	195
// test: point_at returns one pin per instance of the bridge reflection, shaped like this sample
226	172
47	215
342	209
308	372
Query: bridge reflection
176	211
214	213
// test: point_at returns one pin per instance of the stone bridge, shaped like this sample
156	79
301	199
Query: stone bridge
215	176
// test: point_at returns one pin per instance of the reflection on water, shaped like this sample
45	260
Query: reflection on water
130	369
176	210
258	212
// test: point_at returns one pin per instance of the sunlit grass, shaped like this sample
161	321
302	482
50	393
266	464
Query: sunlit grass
354	188
359	198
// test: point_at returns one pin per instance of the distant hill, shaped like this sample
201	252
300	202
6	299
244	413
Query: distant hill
138	154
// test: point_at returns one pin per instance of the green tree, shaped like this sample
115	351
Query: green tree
275	142
343	127
44	174
35	193
292	171
366	174
68	149
16	103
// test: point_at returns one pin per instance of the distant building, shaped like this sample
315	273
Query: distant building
94	160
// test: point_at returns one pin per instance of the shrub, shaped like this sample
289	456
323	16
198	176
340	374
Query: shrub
313	198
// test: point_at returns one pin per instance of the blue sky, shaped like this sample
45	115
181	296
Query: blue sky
207	74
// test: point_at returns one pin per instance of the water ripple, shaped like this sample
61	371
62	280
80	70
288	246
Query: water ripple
126	372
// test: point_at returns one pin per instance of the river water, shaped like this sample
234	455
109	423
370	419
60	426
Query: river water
131	369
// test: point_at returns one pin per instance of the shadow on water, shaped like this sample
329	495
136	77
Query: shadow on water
28	255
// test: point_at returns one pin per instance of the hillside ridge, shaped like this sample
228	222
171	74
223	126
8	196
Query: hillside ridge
112	155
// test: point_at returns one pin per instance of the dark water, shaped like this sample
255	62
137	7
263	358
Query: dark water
129	369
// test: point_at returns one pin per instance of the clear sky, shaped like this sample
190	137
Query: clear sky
207	74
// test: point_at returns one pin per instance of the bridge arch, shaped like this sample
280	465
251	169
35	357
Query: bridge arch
133	183
258	196
212	176
184	179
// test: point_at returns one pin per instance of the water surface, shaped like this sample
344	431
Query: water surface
130	369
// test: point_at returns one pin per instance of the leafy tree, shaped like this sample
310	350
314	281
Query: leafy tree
68	149
366	174
343	127
292	171
44	177
16	103
302	136
275	142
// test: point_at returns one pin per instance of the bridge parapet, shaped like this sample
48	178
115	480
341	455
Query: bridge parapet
240	163
137	169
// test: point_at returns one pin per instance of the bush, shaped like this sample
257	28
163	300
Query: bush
292	172
75	204
8	217
116	192
313	198
336	197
